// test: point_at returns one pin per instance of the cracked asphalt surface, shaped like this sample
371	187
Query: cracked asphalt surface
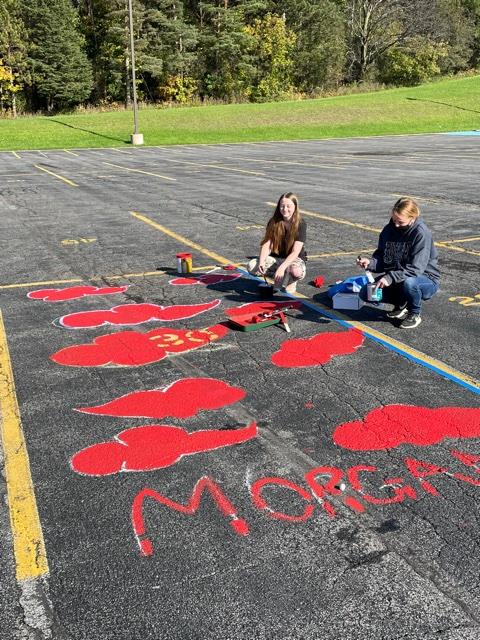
406	570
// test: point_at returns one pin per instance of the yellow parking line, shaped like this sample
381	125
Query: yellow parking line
56	175
340	253
452	247
122	276
288	162
215	166
406	195
147	173
29	547
182	239
461	240
16	155
71	153
37	284
331	219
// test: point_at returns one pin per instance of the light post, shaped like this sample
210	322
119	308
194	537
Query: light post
135	137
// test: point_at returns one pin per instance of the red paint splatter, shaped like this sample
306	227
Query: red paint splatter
129	314
396	424
72	293
239	525
181	399
132	349
152	447
318	282
206	279
317	350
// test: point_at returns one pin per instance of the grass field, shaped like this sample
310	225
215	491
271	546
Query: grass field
447	105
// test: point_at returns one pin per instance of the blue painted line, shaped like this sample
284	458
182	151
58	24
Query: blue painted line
473	132
385	343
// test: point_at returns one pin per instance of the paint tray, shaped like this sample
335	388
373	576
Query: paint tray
249	322
246	317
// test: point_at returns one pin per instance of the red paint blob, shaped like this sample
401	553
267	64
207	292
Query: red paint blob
396	424
73	293
132	349
317	350
182	399
318	282
152	447
128	314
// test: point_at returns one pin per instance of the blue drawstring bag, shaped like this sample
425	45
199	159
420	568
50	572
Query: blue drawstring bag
349	285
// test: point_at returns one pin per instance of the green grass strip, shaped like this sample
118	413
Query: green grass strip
446	105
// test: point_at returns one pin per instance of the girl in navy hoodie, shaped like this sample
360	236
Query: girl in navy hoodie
408	260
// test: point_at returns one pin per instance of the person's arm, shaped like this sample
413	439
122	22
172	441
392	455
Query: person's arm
375	263
264	253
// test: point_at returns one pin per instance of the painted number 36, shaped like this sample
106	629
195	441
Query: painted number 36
467	301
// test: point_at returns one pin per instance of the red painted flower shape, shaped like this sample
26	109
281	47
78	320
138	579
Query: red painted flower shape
132	349
182	399
73	293
317	350
152	447
131	314
390	426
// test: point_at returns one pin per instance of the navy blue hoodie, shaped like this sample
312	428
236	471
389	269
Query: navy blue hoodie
406	251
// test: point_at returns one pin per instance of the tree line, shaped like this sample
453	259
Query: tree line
57	54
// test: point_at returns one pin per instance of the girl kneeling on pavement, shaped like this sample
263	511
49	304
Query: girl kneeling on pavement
408	260
282	252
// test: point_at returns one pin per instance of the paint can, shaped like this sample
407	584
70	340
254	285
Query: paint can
184	262
374	293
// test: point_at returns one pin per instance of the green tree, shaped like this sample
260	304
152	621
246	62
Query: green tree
12	53
168	63
319	57
60	72
224	61
455	29
472	11
415	62
273	45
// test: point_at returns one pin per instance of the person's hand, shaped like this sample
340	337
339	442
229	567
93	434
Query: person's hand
363	262
383	282
279	276
261	269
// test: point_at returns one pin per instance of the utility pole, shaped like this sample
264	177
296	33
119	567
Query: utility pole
135	138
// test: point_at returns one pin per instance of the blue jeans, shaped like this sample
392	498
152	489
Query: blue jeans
410	292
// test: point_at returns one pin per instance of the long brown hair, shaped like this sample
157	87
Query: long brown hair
275	231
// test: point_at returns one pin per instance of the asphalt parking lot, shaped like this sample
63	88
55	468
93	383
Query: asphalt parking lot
275	521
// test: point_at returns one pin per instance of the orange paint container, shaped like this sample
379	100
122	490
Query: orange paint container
184	262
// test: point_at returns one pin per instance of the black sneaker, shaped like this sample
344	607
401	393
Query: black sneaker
411	321
397	312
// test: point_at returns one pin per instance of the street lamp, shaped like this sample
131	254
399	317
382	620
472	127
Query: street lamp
135	137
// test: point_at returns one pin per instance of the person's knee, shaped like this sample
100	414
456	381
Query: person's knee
296	272
410	284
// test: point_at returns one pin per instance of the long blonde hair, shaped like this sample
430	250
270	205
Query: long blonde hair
275	230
